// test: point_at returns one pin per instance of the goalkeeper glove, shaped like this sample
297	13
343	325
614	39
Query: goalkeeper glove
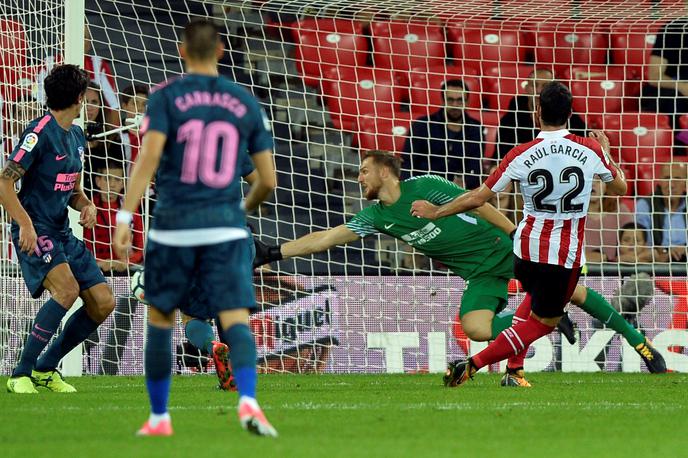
266	254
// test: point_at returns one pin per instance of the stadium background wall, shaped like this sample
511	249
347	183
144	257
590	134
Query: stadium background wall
370	324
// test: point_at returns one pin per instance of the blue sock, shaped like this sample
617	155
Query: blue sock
44	326
158	367
78	327
242	353
200	334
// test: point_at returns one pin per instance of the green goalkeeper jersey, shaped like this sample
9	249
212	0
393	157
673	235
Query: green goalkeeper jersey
467	244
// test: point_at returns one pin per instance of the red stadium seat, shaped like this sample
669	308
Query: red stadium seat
386	133
639	137
629	171
402	46
490	139
426	94
354	92
502	83
631	46
325	43
597	92
564	44
489	43
490	122
631	88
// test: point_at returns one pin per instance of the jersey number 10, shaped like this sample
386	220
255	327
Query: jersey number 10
201	151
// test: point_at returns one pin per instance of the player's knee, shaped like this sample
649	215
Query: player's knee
104	307
477	331
66	294
579	295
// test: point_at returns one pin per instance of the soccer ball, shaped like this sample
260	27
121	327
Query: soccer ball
137	290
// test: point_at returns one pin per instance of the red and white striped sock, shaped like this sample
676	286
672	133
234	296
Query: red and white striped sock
521	316
511	341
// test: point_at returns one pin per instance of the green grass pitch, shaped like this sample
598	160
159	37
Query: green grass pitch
563	415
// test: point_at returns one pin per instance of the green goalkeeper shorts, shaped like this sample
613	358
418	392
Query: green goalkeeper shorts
484	292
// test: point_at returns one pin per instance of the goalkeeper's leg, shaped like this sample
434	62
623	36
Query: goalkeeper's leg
596	306
200	334
483	314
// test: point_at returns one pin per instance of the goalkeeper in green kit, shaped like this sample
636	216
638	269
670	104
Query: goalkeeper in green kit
475	246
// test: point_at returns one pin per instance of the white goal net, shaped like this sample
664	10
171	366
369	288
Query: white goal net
448	86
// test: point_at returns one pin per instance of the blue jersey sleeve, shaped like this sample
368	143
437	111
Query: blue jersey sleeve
246	166
28	149
157	115
261	135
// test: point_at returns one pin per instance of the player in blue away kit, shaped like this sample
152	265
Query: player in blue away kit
198	130
48	162
196	316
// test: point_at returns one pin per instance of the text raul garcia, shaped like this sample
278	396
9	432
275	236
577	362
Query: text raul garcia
568	150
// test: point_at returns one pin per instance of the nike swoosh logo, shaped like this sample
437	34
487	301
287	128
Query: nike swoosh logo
59	158
40	328
387	226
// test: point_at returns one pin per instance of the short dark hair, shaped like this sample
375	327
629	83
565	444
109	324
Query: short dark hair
103	165
64	85
631	226
455	82
535	71
93	85
131	91
385	159
200	37
555	104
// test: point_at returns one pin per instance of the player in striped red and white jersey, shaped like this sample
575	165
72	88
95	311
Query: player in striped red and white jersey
555	172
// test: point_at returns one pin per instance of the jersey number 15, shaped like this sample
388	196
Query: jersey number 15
201	152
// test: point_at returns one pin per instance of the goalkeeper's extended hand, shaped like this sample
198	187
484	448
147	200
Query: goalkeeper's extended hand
266	254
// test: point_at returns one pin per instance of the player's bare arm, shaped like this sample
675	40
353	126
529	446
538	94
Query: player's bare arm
465	202
251	177
495	217
142	174
82	204
618	186
315	242
11	173
265	180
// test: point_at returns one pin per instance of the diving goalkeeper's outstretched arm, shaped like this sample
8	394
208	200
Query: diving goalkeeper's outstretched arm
315	242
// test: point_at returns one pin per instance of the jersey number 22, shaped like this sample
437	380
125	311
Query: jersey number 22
547	179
